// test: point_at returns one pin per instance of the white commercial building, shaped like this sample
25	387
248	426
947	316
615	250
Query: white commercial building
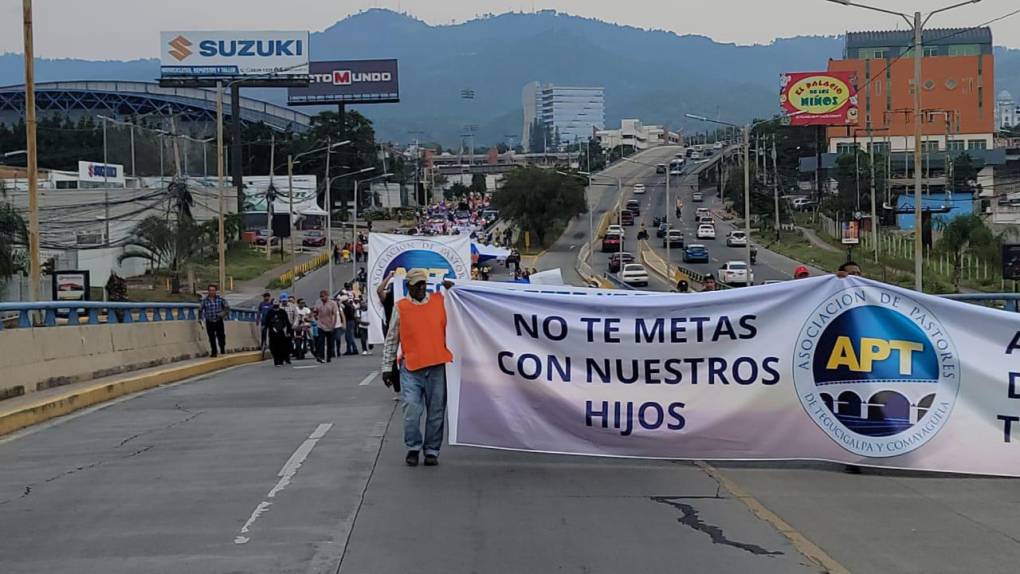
634	134
567	114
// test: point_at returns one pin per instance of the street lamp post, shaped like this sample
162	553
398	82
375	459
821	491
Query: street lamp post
354	225
917	22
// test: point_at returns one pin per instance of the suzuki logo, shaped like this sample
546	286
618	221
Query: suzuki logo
179	48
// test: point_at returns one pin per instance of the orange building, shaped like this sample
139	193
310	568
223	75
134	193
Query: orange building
958	90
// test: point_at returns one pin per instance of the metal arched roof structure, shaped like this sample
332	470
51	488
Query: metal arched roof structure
136	98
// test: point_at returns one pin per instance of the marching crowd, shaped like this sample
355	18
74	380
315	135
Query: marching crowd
330	328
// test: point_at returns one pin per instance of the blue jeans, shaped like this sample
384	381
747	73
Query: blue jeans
424	390
352	346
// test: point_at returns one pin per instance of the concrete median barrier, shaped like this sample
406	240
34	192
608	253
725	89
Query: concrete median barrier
36	359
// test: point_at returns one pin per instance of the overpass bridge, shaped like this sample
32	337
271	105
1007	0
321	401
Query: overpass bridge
127	98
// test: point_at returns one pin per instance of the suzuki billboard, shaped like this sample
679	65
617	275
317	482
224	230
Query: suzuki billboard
215	54
819	98
348	82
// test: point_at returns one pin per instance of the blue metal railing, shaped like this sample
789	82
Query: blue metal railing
1007	301
99	312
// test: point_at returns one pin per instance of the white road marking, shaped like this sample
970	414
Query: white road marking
308	367
368	379
286	473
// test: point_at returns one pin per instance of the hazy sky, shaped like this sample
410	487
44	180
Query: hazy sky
123	29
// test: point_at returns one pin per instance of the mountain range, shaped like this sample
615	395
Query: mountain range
653	75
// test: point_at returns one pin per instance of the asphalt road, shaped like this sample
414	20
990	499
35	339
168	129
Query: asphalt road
641	169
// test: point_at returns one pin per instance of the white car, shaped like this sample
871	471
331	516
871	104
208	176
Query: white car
614	230
735	273
639	189
634	274
718	145
736	239
706	232
701	211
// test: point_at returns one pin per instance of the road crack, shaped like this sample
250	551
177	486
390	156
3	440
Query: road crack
691	519
193	415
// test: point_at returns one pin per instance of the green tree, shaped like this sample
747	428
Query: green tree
850	173
539	201
593	157
965	173
456	191
12	235
478	184
966	235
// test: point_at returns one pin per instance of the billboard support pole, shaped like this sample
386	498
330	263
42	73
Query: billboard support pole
221	247
341	111
235	144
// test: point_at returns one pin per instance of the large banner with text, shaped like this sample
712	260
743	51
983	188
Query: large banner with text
844	370
444	256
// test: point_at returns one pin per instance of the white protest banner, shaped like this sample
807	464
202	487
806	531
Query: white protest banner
844	370
444	256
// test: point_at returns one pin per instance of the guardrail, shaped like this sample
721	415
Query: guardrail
305	268
1004	301
617	282
58	313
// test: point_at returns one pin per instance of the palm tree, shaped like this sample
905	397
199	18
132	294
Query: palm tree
966	234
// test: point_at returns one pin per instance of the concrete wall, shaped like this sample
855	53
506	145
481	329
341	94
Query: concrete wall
37	359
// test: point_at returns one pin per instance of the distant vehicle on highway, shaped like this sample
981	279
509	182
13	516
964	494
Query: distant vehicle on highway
673	238
626	218
706	231
314	238
633	206
696	253
736	238
634	274
614	229
701	211
688	152
612	242
696	155
658	220
709	153
639	189
262	236
617	260
660	232
705	220
735	273
660	169
676	171
717	145
698	196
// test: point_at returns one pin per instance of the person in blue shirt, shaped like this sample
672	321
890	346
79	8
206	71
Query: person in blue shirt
263	312
213	311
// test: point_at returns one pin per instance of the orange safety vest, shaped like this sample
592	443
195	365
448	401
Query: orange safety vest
423	333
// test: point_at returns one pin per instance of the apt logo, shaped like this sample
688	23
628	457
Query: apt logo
876	371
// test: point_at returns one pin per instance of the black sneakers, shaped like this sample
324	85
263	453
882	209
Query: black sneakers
412	458
431	460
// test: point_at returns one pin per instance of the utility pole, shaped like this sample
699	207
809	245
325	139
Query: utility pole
917	23
270	196
775	184
106	188
329	217
33	165
747	196
222	246
591	214
874	211
290	210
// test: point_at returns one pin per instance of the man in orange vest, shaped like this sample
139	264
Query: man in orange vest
418	325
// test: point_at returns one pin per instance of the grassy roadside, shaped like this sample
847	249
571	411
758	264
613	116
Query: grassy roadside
893	269
243	263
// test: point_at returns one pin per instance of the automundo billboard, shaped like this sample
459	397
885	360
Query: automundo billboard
348	82
819	98
215	54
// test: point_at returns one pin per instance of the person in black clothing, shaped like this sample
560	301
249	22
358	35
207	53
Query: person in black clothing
385	293
351	318
280	333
